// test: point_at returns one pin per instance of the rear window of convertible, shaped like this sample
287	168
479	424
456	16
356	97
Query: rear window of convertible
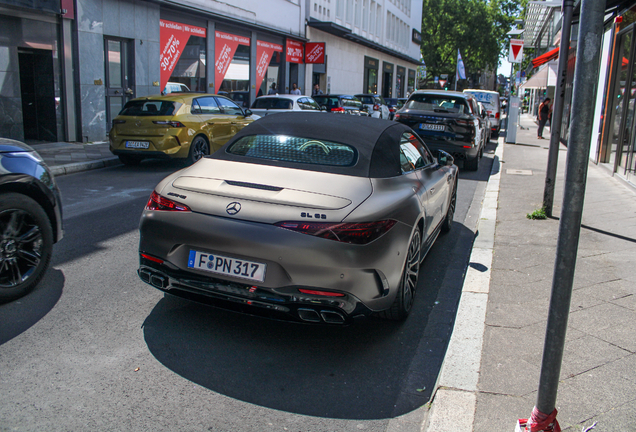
294	149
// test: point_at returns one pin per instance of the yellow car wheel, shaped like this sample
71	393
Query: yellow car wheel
198	149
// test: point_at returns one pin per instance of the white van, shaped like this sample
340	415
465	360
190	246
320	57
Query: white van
490	99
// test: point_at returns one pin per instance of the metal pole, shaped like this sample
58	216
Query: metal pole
585	78
557	108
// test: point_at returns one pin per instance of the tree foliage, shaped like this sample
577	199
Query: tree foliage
476	27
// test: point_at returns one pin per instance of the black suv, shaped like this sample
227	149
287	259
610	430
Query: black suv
447	120
30	218
340	103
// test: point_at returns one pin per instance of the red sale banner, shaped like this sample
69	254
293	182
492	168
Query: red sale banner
225	45
294	51
315	52
264	53
173	37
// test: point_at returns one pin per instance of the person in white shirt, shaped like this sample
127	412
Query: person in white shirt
295	90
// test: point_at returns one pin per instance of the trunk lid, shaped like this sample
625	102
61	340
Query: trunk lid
266	193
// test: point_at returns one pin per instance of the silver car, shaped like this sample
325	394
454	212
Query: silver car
299	221
274	104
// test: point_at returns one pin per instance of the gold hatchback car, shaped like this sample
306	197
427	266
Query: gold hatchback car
179	125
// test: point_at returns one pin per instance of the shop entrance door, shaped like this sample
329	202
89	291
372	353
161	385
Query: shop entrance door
38	94
119	76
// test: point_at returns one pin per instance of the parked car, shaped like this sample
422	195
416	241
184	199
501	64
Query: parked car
491	101
392	104
242	98
175	87
295	220
272	104
400	103
30	218
176	126
447	120
340	104
486	124
375	104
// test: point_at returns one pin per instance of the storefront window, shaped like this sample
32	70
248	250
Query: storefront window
237	77
183	56
232	64
370	75
190	69
268	60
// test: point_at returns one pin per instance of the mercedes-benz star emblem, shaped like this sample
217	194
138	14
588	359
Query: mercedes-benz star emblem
138	123
233	208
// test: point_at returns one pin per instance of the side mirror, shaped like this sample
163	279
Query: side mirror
248	113
445	159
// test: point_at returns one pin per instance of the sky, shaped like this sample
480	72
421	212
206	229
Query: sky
504	69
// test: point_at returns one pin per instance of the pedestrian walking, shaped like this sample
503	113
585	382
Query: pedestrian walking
316	91
295	90
544	114
272	90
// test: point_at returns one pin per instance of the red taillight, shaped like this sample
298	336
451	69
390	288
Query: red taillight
157	202
376	107
464	122
169	123
320	293
151	258
392	109
496	115
354	233
397	116
338	110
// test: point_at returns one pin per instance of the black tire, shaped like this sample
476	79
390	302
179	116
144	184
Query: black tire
450	213
472	164
198	149
405	296
129	160
26	244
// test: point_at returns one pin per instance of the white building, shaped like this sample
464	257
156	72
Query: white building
95	55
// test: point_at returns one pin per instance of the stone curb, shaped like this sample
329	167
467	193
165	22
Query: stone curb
452	407
83	166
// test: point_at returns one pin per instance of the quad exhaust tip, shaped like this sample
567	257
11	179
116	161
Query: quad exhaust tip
329	317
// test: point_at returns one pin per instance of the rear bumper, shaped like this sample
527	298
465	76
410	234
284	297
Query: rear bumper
287	305
457	151
166	147
368	275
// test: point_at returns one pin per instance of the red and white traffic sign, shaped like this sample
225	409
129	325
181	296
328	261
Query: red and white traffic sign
516	51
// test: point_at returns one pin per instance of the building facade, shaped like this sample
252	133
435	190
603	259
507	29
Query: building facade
68	67
613	142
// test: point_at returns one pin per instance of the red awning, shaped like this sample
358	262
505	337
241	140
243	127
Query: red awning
546	57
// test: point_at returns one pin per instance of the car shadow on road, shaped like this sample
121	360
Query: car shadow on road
18	316
371	370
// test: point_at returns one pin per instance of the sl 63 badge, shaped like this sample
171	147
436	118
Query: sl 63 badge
313	216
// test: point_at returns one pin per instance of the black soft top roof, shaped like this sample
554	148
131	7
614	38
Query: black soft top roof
376	141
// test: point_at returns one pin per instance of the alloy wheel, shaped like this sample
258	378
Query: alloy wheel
411	271
21	246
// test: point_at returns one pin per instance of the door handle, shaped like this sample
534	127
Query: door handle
432	190
116	91
129	91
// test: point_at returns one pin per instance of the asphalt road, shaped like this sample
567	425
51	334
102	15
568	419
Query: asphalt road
94	348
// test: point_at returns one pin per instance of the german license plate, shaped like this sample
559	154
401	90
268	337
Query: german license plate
137	144
227	266
431	127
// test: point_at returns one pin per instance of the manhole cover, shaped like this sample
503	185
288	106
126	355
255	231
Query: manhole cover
518	172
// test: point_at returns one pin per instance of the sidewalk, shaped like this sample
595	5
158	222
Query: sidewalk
66	158
509	287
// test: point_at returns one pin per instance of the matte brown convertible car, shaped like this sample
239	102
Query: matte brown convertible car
296	220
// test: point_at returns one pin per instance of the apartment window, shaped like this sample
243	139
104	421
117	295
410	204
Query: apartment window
340	9
365	15
328	12
357	22
372	23
378	29
315	7
388	26
350	11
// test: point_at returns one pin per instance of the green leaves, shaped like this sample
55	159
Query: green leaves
476	27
